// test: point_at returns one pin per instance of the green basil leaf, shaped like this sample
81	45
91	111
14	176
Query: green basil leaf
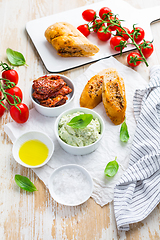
111	168
124	135
15	58
25	183
80	121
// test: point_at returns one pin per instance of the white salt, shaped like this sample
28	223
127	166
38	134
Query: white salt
71	186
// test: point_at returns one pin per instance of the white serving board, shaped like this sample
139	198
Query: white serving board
55	63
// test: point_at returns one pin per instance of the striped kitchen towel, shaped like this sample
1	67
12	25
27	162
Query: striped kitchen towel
138	191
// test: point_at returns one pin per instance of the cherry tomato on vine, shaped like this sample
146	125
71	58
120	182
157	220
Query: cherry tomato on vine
104	12
0	95
122	33
146	48
84	29
97	24
134	59
2	109
114	20
139	34
11	75
117	43
20	116
89	15
15	91
102	35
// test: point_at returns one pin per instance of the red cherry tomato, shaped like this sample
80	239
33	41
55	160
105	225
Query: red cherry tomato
139	34
0	95
117	43
134	59
147	48
84	29
15	91
114	20
102	35
20	116
97	24
11	75
89	15
2	109
104	12
122	33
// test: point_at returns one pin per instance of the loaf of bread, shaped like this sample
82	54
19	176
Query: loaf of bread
92	92
113	96
69	41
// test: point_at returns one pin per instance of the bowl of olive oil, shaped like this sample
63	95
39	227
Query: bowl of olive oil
33	149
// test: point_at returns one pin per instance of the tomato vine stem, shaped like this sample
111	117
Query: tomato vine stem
116	22
8	84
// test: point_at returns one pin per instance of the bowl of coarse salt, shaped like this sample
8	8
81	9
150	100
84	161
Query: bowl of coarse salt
70	185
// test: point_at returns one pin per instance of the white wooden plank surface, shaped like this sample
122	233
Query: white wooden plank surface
28	216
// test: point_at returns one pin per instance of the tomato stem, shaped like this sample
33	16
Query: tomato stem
135	44
5	66
8	84
117	22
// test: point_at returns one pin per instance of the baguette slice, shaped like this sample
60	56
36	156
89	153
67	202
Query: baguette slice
113	96
69	41
92	92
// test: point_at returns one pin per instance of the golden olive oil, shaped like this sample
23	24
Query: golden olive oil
33	152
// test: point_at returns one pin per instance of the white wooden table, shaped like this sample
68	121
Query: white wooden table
37	216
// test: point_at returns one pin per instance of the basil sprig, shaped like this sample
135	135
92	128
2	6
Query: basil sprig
124	135
25	183
80	121
111	168
15	58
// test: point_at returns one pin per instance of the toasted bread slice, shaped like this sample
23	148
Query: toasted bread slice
92	92
69	41
113	96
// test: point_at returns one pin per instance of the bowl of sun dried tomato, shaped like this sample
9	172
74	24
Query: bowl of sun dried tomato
52	94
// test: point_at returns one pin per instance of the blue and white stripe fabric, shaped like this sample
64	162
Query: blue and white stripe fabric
138	191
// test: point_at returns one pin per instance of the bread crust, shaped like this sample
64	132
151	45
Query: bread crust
91	95
113	96
69	41
106	86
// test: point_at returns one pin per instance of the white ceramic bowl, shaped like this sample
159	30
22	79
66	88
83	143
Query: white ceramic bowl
54	111
31	135
85	149
68	189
